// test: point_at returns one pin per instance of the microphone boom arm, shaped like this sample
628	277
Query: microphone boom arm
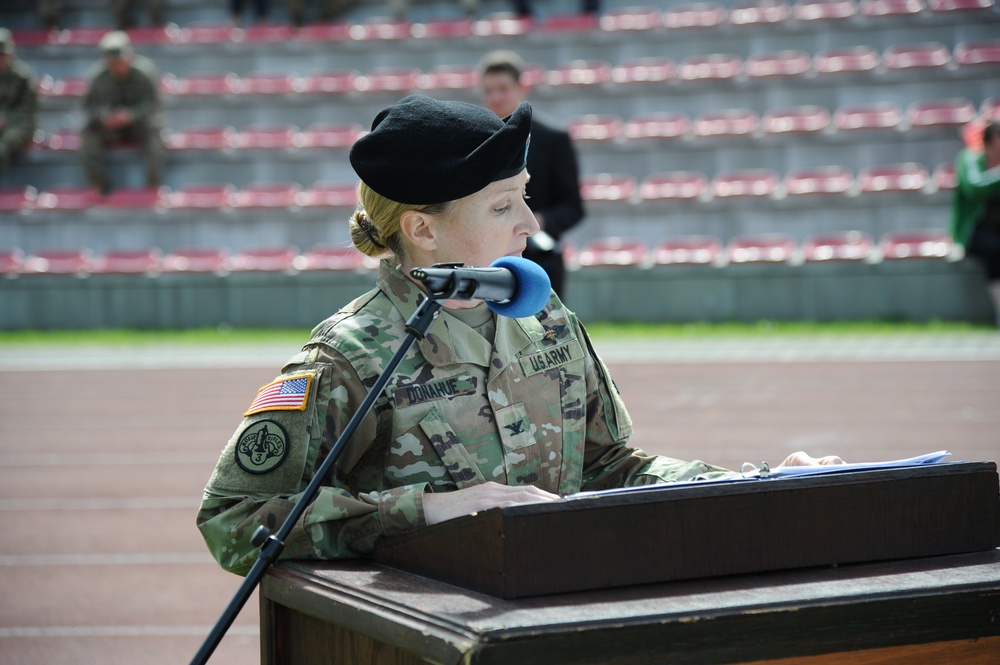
270	545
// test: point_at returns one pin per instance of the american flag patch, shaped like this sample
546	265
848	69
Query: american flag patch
290	393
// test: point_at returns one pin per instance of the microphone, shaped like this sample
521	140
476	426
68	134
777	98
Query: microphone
511	286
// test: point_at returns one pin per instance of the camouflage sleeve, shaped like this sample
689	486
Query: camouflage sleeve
147	98
608	461
275	452
95	102
24	113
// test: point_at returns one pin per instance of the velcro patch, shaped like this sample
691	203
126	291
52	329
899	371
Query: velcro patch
289	393
549	358
262	447
417	393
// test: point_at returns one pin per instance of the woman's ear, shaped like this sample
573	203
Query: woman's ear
418	228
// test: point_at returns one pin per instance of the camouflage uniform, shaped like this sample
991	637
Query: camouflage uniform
18	110
139	93
536	407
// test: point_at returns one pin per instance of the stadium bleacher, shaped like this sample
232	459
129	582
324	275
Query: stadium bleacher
827	124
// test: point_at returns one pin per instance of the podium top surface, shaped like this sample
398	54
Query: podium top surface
939	597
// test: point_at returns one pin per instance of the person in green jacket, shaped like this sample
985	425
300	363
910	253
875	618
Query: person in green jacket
975	207
485	411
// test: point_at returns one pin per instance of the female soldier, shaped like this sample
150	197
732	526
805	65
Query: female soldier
485	411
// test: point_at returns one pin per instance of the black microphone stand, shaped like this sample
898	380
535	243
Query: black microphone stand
271	546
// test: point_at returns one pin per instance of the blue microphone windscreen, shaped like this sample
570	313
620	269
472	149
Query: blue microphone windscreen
533	288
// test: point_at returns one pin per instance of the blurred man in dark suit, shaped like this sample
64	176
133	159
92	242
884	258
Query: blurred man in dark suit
554	188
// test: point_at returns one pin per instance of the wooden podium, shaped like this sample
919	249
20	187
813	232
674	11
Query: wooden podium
894	566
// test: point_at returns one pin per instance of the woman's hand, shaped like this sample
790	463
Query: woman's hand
803	459
448	505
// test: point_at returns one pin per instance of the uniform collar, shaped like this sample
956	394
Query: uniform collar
450	341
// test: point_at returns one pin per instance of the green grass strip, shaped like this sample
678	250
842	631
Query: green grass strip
599	330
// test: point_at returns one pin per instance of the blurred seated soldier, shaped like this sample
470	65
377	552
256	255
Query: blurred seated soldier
122	106
125	19
18	102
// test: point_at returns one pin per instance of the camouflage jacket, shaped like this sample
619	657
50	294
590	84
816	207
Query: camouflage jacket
534	407
18	97
138	92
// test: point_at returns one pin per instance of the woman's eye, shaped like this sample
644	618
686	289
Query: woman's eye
502	210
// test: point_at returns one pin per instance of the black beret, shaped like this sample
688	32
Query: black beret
422	150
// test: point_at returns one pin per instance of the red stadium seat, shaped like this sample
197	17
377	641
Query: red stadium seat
613	252
892	178
697	15
442	29
621	19
70	87
206	33
927	244
595	128
796	120
779	64
200	197
767	248
731	123
64	139
381	28
673	186
266	196
331	82
32	37
148	36
450	77
503	24
59	262
747	183
824	10
644	70
687	251
202	138
891	8
657	126
389	79
990	109
16	200
849	246
266	137
328	195
129	262
82	36
329	136
134	199
715	67
532	75
269	259
269	33
864	118
944	178
974	54
333	257
928	55
202	85
854	60
579	72
324	32
821	181
260	83
561	23
608	187
67	199
960	6
950	113
196	261
11	262
759	12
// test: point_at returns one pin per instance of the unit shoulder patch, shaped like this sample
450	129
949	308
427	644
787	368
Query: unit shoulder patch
289	393
262	447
